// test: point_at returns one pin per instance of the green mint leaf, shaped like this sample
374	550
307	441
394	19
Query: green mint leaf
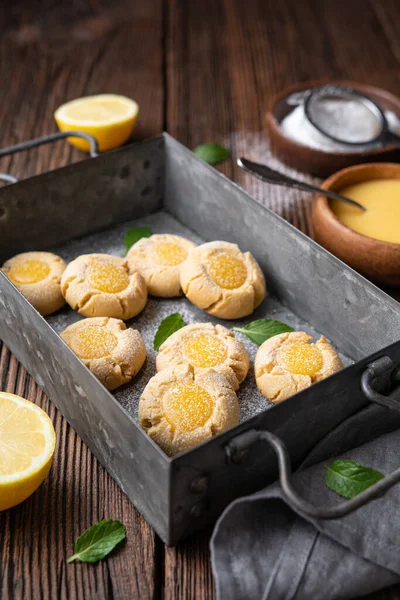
348	478
263	329
134	235
167	327
98	541
212	153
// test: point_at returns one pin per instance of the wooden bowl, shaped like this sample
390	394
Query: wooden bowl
378	261
317	162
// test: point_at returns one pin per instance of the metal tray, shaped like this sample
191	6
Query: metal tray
87	207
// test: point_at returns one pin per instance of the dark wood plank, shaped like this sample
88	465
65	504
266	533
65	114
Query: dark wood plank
50	53
198	97
187	571
388	15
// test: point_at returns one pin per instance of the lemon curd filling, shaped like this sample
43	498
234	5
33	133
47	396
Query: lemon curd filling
29	271
300	359
204	350
381	198
187	406
108	278
227	271
169	254
93	342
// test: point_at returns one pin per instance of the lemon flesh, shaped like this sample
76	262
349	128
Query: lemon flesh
27	443
108	117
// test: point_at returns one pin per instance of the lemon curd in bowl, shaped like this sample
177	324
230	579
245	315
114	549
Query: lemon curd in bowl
381	198
367	241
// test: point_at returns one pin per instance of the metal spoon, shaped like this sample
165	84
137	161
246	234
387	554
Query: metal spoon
270	176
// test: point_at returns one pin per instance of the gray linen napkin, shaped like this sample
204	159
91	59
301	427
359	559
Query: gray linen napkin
261	549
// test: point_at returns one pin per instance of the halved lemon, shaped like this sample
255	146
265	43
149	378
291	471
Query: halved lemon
27	443
108	117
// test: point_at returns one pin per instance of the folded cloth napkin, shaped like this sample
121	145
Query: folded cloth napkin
262	549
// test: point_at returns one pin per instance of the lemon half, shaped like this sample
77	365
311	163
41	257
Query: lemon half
108	117
27	443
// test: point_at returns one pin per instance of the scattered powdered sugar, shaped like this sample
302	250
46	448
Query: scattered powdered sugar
111	242
344	120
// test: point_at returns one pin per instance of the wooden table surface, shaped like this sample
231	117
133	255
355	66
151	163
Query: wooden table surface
204	71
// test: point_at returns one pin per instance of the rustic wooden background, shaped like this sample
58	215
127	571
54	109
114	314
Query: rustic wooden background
204	71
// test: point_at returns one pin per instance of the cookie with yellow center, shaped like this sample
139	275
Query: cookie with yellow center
100	285
288	363
158	258
204	346
180	409
37	275
224	281
112	352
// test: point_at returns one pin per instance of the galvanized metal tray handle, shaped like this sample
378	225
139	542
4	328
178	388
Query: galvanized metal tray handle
239	446
382	367
47	139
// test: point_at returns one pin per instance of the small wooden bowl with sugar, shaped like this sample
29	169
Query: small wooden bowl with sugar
302	156
377	260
